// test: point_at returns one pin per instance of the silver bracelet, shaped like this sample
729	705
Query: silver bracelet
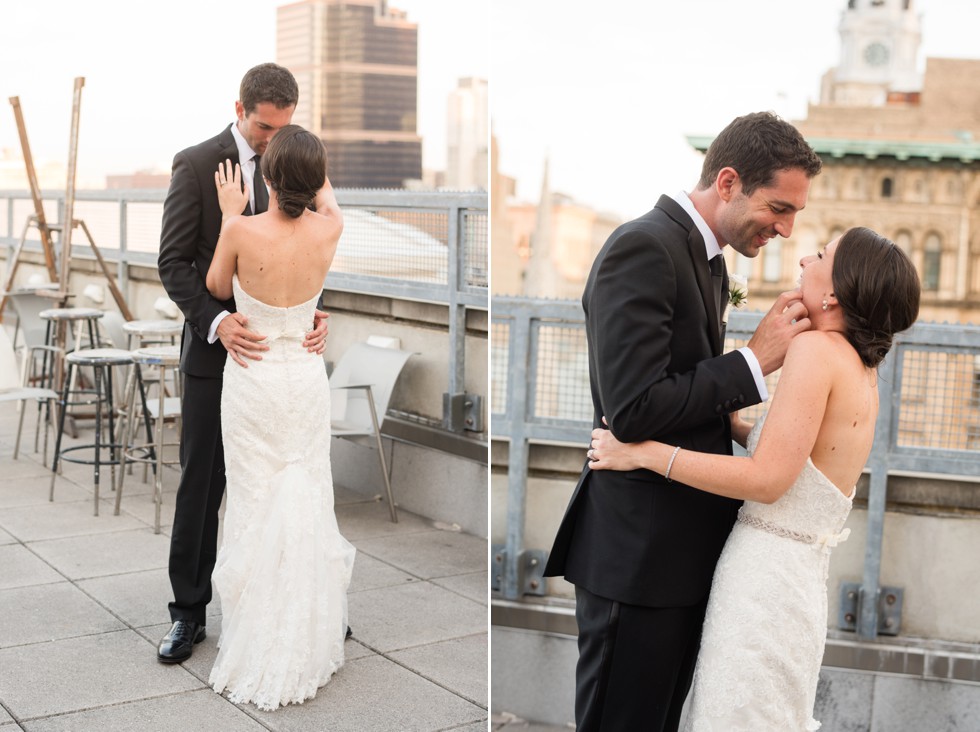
671	463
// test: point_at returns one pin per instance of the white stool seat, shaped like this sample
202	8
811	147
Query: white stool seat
100	356
157	356
153	328
70	313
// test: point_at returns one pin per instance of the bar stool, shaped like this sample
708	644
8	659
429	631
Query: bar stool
150	332
101	361
79	317
140	333
161	358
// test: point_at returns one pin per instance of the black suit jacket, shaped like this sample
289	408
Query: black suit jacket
656	372
189	235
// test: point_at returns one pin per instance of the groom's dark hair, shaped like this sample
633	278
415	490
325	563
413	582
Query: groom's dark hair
268	83
758	146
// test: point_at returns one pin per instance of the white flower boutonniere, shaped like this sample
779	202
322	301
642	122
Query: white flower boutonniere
738	294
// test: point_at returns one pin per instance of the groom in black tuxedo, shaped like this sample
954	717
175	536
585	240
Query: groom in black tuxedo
212	331
640	549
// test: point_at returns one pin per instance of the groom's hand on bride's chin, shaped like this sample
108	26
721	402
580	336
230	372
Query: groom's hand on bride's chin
786	319
239	341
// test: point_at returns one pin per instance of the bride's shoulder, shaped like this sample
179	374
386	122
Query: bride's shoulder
814	347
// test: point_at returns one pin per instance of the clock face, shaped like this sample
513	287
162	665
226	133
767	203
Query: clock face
876	54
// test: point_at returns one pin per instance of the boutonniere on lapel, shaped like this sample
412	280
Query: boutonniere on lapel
738	294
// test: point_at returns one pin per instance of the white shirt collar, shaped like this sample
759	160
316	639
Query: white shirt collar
245	153
711	247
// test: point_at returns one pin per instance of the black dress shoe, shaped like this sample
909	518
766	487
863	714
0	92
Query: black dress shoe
349	633
178	644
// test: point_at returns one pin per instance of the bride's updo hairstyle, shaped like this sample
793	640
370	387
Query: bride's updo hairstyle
878	290
295	165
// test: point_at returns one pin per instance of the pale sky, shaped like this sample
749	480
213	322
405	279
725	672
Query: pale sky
162	76
610	90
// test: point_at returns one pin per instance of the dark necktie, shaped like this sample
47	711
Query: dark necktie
717	266
259	191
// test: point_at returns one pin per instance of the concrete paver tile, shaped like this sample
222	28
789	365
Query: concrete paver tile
393	618
459	664
79	673
139	598
362	520
50	612
430	554
370	573
34	491
473	585
162	714
375	695
20	567
59	520
120	552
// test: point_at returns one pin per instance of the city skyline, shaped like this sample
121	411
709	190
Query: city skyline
612	114
148	95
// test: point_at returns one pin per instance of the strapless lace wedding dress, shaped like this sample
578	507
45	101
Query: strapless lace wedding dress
283	568
766	622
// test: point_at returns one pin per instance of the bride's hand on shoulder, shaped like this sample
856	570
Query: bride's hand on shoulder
232	197
608	453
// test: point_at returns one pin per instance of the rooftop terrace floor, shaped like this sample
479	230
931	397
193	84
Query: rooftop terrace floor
83	602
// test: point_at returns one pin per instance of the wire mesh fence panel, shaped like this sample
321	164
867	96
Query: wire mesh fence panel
561	377
24	209
499	370
939	399
143	226
404	244
475	248
102	220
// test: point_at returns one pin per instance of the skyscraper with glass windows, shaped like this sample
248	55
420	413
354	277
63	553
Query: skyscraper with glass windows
356	62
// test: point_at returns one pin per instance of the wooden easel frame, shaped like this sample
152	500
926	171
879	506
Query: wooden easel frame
39	219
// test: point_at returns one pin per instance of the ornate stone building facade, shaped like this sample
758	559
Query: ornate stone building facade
901	156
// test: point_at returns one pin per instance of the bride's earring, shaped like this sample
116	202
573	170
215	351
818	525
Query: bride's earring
825	305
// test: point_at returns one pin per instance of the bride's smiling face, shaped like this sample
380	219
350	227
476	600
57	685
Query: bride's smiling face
816	279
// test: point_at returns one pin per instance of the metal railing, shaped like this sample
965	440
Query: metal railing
928	420
425	246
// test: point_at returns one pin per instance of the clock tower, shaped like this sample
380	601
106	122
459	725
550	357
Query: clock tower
879	49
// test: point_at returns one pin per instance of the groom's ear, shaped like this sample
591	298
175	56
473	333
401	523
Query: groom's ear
727	183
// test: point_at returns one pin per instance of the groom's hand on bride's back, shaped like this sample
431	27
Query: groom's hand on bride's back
239	341
786	319
316	339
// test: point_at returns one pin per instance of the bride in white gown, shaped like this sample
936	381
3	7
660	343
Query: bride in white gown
283	568
764	631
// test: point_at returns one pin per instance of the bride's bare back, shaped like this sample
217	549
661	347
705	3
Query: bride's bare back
283	261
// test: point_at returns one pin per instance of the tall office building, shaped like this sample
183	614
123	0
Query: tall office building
356	62
468	131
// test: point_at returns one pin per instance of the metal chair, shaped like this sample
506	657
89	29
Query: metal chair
361	386
13	389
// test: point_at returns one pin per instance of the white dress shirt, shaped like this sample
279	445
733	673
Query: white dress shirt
712	248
